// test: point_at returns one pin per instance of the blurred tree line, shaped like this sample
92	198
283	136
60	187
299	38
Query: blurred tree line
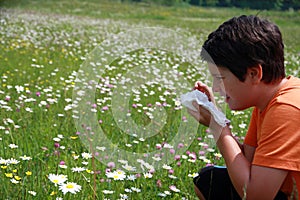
252	4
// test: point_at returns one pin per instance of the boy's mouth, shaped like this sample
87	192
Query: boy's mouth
227	98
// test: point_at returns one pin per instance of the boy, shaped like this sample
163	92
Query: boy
245	57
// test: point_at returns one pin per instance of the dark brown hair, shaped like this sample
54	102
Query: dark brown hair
244	42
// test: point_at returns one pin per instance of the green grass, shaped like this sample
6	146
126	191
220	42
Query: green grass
188	17
43	45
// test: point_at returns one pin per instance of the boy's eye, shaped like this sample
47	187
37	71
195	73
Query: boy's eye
219	77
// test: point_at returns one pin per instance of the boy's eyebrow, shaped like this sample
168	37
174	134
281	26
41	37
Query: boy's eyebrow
215	74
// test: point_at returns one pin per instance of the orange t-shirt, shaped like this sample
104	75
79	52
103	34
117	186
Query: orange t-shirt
275	133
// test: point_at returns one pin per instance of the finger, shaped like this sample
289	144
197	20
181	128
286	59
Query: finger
206	92
199	84
195	114
201	115
196	105
205	89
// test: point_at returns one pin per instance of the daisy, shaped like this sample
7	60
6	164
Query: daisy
13	146
174	189
148	166
131	177
124	196
13	161
69	187
172	176
129	168
86	155
33	193
56	139
192	160
116	175
4	161
75	156
148	175
107	191
184	157
63	166
25	157
135	189
166	167
78	169
85	163
29	109
100	148
125	162
19	88
156	158
162	194
128	190
118	171
218	155
193	175
168	146
57	179
14	181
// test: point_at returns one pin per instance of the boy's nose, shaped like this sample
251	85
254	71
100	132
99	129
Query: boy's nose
218	88
215	87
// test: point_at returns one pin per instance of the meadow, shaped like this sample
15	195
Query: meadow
82	122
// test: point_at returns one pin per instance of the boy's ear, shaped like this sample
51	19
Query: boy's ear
255	73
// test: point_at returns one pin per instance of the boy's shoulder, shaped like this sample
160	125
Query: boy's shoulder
290	92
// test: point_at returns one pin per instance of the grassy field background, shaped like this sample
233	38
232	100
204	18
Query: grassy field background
43	45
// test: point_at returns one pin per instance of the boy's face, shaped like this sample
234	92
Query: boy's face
238	95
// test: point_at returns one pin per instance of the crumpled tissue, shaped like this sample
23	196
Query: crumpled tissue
202	100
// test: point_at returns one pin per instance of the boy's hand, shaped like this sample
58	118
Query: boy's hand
205	118
202	115
205	89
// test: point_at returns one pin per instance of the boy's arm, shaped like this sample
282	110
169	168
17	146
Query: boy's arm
248	152
256	182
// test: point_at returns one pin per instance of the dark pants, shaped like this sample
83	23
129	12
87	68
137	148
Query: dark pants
214	183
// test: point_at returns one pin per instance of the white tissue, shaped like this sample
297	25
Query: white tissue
202	100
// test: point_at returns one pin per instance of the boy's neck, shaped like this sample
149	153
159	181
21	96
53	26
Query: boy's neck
267	93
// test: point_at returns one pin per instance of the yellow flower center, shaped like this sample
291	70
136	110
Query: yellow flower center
116	176
70	186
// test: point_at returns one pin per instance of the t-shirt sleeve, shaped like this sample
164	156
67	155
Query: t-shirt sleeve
251	136
279	140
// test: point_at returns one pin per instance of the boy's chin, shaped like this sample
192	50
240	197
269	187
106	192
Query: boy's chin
236	108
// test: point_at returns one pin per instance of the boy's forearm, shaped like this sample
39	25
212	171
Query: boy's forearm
237	164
